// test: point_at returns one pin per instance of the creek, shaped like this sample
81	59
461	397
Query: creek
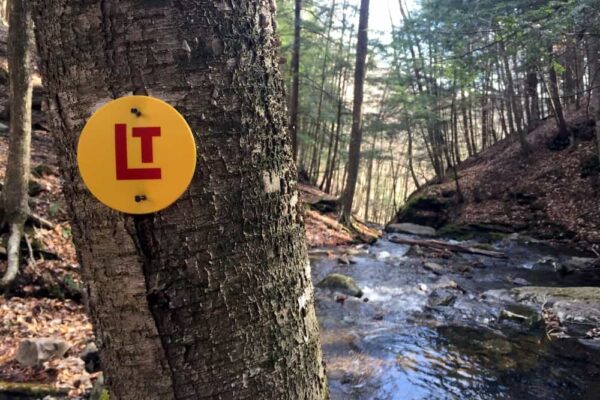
423	334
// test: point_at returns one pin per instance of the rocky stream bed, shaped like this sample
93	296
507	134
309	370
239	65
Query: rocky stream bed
434	324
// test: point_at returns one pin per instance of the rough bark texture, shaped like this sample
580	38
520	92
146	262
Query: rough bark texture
594	65
212	297
534	102
356	135
525	147
295	78
555	98
15	198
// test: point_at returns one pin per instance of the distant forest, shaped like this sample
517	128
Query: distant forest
453	78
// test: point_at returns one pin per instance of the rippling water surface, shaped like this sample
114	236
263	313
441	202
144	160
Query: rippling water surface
397	346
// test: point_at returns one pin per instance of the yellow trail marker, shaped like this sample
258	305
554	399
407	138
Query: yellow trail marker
137	154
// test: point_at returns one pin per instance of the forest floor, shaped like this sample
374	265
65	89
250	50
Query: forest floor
551	195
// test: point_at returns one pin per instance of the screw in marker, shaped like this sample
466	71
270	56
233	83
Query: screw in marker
137	112
139	198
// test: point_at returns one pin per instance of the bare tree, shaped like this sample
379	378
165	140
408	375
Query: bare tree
14	195
295	78
356	133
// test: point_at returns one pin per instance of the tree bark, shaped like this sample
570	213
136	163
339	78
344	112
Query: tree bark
212	297
319	138
356	134
15	197
532	95
341	88
525	148
555	98
369	179
410	160
466	124
293	127
594	65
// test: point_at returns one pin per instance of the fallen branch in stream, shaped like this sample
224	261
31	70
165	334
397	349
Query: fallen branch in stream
439	245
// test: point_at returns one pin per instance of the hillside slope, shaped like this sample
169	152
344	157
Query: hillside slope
552	195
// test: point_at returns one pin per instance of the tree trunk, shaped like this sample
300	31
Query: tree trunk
210	298
569	75
410	160
319	139
466	124
555	98
329	154
334	157
525	148
15	198
356	134
454	126
594	65
472	130
293	127
341	88
369	178
534	102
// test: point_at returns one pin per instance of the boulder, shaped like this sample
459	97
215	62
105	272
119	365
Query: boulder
341	283
34	352
428	209
412	229
441	297
91	358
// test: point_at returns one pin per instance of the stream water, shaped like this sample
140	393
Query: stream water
418	335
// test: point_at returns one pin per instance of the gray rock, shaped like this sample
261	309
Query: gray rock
344	260
577	264
34	352
446	283
570	304
434	267
341	283
91	358
412	229
520	281
441	297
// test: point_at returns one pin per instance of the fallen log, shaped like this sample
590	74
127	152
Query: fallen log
439	245
327	221
30	389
